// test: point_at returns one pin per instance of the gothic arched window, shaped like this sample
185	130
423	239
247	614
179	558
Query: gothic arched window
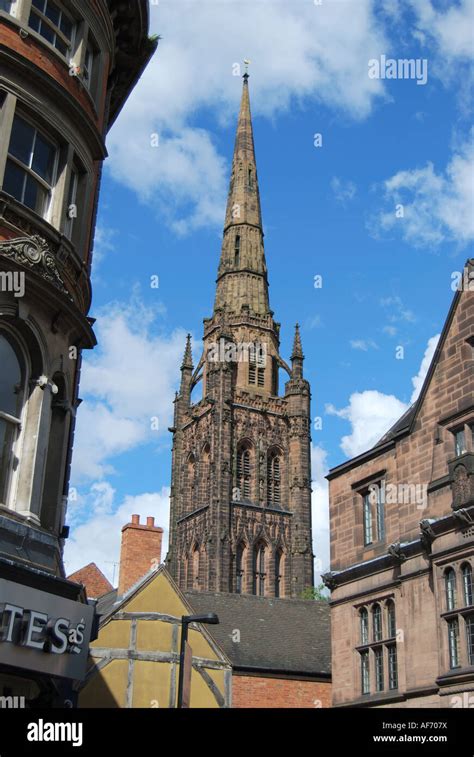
377	622
278	572
244	479
450	586
467	583
190	488
274	479
196	564
259	572
12	383
240	559
364	626
391	620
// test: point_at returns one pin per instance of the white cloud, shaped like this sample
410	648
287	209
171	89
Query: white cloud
396	311
371	413
418	380
450	29
323	59
344	190
320	511
363	344
436	207
126	383
97	539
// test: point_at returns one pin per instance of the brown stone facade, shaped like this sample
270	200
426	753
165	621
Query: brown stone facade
271	692
402	544
240	517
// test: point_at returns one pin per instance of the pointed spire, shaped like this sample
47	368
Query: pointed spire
243	200
188	355
242	276
297	356
297	346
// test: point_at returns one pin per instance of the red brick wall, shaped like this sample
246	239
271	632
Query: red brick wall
256	691
93	579
48	62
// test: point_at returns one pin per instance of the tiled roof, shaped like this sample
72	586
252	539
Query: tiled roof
93	579
286	635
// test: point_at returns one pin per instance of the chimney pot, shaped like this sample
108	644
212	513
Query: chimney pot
150	522
140	552
136	520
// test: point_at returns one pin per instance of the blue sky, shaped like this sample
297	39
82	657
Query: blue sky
329	211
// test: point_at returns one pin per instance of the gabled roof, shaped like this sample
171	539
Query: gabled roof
274	635
92	578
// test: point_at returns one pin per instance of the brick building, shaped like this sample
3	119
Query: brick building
240	517
402	543
67	68
265	652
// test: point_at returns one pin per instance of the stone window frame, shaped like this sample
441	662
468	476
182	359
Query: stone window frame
21	420
371	648
67	160
274	453
260	556
378	528
245	446
466	427
83	38
461	612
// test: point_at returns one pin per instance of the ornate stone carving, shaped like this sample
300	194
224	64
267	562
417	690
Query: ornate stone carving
34	253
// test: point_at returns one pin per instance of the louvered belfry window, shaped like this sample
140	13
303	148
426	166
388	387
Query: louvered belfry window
243	473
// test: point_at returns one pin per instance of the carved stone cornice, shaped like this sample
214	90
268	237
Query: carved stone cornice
34	253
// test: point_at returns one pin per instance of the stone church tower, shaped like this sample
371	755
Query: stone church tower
240	516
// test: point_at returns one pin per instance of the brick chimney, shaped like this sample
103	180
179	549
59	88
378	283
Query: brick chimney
140	551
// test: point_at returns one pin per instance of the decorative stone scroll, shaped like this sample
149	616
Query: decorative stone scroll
34	253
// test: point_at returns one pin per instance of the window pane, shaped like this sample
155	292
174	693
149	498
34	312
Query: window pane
52	12
14	180
21	140
467	584
47	32
378	669
453	639
34	22
39	4
470	638
460	445
450	581
61	46
43	158
10	378
36	196
364	672
364	627
392	667
66	26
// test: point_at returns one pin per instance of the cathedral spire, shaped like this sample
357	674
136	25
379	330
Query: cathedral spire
242	276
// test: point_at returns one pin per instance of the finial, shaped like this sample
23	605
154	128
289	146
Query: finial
188	354
297	347
246	72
